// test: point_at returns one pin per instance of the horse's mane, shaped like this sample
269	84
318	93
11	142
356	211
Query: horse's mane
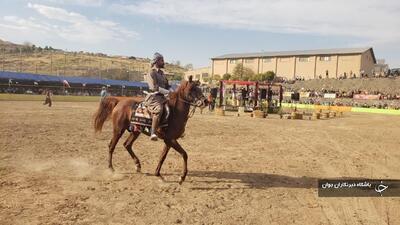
173	96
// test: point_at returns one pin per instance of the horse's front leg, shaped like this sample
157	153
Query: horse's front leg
178	148
163	155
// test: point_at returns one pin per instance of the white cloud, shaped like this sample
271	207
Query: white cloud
70	26
92	3
57	13
374	20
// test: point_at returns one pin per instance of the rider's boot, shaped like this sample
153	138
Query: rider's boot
154	126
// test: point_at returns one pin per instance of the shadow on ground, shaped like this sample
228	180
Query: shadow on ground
215	179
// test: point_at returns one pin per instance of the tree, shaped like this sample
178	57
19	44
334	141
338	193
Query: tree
234	77
241	73
246	77
267	76
226	76
216	77
270	75
189	66
177	77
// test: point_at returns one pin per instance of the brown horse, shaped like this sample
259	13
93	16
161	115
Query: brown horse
120	110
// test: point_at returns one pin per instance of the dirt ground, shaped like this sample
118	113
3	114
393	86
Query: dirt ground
53	170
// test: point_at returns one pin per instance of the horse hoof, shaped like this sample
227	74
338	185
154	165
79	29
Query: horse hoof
111	169
138	169
181	180
161	178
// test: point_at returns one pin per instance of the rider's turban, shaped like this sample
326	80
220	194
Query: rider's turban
157	56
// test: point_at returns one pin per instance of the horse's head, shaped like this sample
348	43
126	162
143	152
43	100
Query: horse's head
191	92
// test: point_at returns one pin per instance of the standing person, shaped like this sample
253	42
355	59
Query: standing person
103	93
159	89
251	97
244	96
48	100
210	100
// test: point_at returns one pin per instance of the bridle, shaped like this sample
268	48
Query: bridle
191	113
191	103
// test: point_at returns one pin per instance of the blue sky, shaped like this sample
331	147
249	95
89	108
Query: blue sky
193	31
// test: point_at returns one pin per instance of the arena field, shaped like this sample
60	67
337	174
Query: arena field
53	170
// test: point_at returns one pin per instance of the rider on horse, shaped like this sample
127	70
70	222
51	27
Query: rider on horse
159	89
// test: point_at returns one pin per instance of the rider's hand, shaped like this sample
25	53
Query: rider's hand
163	91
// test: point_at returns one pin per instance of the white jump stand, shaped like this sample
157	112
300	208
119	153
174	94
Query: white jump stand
240	111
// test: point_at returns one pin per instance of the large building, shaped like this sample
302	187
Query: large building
201	74
308	64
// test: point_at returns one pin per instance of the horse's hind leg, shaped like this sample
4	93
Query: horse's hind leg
116	136
128	145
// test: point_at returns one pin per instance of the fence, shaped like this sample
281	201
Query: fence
62	90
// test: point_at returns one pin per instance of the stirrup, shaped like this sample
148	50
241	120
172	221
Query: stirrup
153	137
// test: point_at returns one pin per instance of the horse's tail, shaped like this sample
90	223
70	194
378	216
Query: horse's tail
104	112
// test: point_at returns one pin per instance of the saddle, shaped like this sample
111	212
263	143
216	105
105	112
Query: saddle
141	118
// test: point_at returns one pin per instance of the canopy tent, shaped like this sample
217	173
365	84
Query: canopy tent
71	80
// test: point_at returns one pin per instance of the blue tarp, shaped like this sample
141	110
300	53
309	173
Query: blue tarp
71	80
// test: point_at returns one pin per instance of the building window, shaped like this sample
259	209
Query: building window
232	61
197	76
325	58
304	59
204	75
267	60
248	60
284	59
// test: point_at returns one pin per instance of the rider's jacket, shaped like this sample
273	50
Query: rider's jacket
156	79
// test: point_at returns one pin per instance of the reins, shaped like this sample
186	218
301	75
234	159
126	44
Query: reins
178	97
191	113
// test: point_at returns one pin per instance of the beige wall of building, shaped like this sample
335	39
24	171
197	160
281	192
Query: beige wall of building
268	64
219	67
349	64
302	63
305	67
251	63
232	64
199	74
286	67
326	65
367	63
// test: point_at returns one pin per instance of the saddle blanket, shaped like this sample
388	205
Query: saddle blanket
142	117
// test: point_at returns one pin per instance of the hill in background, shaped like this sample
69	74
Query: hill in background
47	60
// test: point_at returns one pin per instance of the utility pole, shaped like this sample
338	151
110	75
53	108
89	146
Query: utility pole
65	62
35	55
3	58
51	61
100	69
20	60
129	76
